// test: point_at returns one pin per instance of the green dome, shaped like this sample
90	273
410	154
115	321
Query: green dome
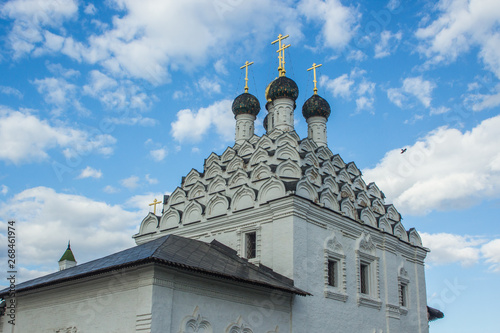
283	87
316	106
246	104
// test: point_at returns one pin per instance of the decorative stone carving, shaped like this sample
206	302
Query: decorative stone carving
271	189
192	213
307	190
400	232
368	217
148	224
217	205
238	327
286	152
338	162
192	177
195	323
329	199
170	219
288	169
243	198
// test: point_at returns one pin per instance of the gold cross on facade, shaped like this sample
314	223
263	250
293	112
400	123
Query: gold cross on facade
313	68
282	59
154	203
280	38
246	74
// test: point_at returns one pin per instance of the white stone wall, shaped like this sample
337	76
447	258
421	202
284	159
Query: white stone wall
159	300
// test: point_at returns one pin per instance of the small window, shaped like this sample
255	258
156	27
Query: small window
364	278
250	245
403	295
332	273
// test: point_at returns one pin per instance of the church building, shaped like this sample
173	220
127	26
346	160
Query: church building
276	234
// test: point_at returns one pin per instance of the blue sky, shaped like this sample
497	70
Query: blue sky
105	106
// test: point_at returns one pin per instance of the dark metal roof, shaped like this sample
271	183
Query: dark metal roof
214	259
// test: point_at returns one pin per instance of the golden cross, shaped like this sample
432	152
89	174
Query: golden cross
246	75
280	38
282	58
155	202
313	68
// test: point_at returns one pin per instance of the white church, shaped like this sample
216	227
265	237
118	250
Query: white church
276	234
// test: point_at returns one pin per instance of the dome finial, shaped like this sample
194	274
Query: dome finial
246	73
313	68
281	54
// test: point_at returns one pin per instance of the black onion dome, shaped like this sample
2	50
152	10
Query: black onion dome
316	106
265	122
283	87
246	104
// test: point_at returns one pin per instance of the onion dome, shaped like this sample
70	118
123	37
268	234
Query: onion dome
316	106
265	122
246	104
283	87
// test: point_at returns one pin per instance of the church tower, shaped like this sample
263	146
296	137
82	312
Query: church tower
67	260
316	110
245	108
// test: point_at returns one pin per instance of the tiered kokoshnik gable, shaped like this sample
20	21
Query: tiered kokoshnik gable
257	170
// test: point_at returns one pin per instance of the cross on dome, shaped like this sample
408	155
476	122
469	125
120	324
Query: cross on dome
313	68
246	73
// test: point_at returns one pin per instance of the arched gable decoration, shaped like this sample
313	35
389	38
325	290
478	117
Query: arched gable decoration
177	197
307	190
228	154
235	164
217	184
286	152
286	138
343	177
192	177
324	153
365	244
313	175
217	205
368	217
239	178
261	171
243	198
348	209
260	155
275	133
288	169
362	200
328	169
211	159
264	142
245	149
346	192
384	224
400	232
170	219
330	183
333	244
198	190
195	324
311	159
359	183
213	171
338	162
392	213
192	213
238	327
149	224
378	206
414	237
353	169
307	145
329	199
253	140
374	191
271	189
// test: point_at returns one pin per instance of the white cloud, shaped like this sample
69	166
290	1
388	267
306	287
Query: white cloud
131	182
96	228
446	169
220	67
479	101
491	251
449	248
90	9
158	154
387	44
460	27
413	86
27	138
439	110
4	189
11	91
151	180
110	189
209	86
191	126
55	91
353	83
142	202
89	172
339	22
356	55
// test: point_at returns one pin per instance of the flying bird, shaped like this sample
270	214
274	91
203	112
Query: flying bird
403	150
